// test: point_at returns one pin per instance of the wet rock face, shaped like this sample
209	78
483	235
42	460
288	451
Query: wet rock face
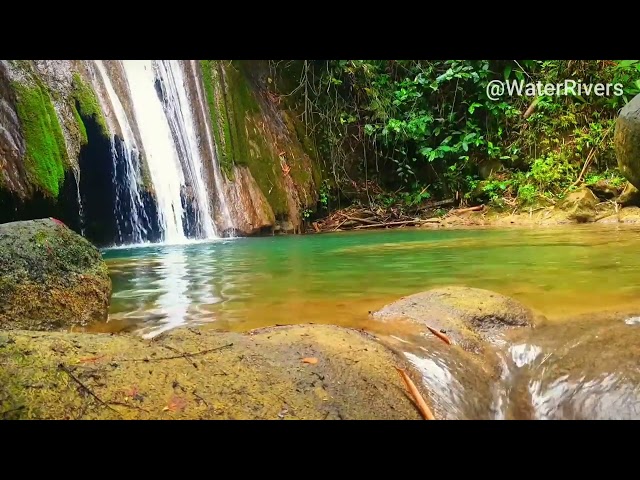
12	147
627	141
466	315
298	372
580	205
50	277
248	209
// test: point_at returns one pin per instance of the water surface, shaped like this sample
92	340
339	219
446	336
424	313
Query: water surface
244	283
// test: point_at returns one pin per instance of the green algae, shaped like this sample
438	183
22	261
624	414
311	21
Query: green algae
46	154
87	105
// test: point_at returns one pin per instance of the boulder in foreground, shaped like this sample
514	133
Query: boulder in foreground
50	277
295	372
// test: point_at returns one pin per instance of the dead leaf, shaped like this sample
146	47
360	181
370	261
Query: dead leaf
310	360
424	409
440	335
177	404
91	359
132	392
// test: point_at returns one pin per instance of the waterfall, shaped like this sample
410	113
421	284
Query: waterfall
168	133
182	124
153	110
222	203
159	148
129	207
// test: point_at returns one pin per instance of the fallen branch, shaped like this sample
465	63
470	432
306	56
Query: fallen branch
477	208
186	354
85	388
587	162
440	335
424	409
404	222
439	203
356	219
182	354
339	225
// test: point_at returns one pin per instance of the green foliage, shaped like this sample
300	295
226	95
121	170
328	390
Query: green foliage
46	154
87	105
430	123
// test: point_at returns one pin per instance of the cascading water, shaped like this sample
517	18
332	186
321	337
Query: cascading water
129	207
172	85
167	129
159	148
155	110
76	176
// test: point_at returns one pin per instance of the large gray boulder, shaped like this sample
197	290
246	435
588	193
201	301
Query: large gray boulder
627	141
50	277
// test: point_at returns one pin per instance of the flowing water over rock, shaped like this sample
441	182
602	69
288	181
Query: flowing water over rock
152	116
579	363
126	158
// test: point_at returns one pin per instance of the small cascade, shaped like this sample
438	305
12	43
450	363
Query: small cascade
131	219
76	176
217	172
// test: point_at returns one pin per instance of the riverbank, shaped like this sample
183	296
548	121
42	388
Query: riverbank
572	211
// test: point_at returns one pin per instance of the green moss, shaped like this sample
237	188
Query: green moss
87	104
233	109
217	112
83	130
46	154
243	138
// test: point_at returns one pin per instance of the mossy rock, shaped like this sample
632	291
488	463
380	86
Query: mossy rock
468	316
293	372
626	141
50	277
580	205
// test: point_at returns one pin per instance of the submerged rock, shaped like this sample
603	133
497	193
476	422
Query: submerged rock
50	277
294	372
626	141
580	205
468	316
